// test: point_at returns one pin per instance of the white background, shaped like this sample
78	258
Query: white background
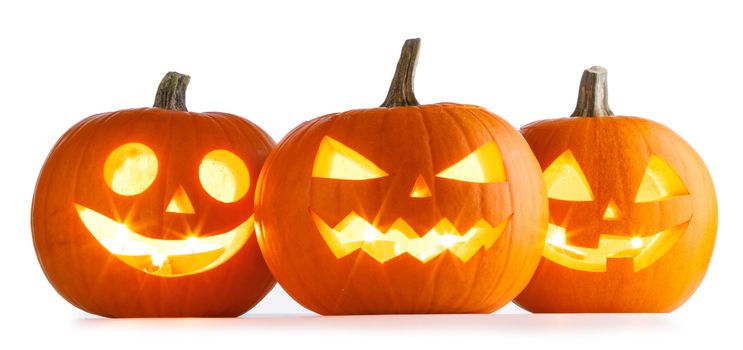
282	63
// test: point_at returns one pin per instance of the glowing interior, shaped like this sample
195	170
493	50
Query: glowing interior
130	169
612	211
167	258
484	165
335	160
180	203
420	189
565	180
224	176
659	182
645	250
353	232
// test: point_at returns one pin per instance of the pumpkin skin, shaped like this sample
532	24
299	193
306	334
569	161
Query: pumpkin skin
411	145
89	276
616	155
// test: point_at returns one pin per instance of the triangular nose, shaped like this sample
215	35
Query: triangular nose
612	211
420	189
180	203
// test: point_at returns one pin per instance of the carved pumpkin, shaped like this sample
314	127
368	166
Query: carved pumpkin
405	208
148	212
633	213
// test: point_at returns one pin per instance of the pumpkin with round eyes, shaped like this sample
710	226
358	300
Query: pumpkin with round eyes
633	213
405	208
148	212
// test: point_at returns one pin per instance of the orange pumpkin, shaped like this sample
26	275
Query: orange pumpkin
633	214
148	212
405	208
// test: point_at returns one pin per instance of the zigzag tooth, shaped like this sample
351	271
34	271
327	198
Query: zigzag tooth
401	226
444	225
354	232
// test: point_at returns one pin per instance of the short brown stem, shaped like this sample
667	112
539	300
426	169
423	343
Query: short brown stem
593	97
401	88
171	94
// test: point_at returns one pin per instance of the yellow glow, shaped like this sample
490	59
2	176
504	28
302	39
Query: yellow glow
556	236
130	169
224	176
612	211
353	233
158	259
180	203
659	182
484	165
636	242
644	250
167	258
565	180
335	160
420	189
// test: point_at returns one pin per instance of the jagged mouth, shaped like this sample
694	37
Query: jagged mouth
644	251
167	258
354	232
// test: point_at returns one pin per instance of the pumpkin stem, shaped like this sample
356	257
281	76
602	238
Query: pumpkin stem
401	88
171	94
593	96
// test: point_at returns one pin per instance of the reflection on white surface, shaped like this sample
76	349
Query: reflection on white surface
495	323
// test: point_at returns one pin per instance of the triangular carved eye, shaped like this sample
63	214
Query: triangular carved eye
659	182
484	165
335	160
565	180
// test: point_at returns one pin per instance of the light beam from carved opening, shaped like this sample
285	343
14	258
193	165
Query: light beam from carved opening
167	258
644	250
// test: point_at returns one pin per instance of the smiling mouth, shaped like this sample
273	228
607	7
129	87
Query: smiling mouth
167	258
643	250
354	232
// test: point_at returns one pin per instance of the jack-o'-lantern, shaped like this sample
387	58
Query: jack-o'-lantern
405	208
633	213
148	212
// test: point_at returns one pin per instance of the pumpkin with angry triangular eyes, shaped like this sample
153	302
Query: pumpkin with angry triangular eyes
633	214
148	212
406	208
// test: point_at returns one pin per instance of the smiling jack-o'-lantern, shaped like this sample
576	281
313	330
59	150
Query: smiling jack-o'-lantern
148	212
405	208
633	213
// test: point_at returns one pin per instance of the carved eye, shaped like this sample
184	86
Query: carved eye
484	165
335	160
659	182
565	180
130	169
224	176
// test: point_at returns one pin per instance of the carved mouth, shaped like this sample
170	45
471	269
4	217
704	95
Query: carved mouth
353	232
167	258
644	250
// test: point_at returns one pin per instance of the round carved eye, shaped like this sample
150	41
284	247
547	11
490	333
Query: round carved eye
130	169
224	176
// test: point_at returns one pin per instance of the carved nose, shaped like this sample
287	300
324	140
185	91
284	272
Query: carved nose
180	203
420	189
612	211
